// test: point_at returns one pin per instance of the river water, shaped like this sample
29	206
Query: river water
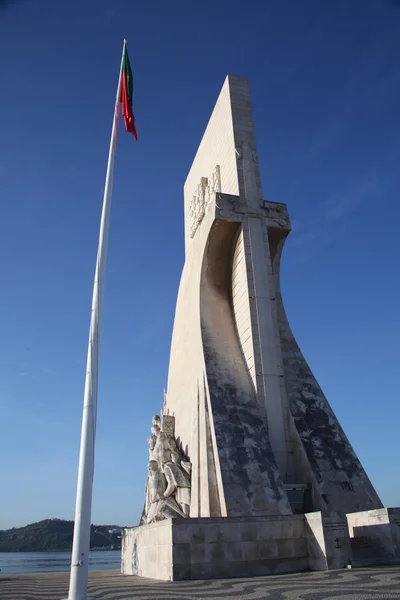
41	562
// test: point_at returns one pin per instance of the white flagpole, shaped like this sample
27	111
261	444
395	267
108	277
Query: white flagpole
81	544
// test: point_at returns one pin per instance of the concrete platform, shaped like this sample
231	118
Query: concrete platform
208	548
378	583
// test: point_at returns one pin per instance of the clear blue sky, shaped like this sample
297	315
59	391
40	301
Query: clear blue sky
325	84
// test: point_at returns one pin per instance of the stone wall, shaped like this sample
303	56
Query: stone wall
244	546
147	551
217	547
328	541
375	536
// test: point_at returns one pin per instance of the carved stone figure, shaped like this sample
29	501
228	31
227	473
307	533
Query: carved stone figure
178	484
168	482
155	425
165	449
158	506
202	198
152	442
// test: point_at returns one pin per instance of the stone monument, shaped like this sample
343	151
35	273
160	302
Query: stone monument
249	469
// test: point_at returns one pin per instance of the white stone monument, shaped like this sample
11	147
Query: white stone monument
250	471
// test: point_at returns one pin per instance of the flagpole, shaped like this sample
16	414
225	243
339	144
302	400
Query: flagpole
81	543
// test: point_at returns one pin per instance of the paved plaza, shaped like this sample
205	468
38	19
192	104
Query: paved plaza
381	583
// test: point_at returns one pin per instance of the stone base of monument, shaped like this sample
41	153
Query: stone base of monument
375	537
201	548
330	534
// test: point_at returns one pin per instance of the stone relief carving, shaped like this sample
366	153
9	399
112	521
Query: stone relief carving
213	187
168	484
202	198
245	146
277	214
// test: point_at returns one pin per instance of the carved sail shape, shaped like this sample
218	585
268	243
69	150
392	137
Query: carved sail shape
340	482
241	306
250	478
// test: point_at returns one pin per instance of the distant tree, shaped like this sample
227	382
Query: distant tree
52	534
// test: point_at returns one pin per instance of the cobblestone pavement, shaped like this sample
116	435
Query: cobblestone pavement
378	583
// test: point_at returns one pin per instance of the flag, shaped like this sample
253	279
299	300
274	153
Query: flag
126	95
83	509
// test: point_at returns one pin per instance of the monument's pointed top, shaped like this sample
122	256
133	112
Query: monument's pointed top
230	77
230	126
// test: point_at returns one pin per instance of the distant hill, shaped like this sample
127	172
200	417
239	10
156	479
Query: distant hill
55	534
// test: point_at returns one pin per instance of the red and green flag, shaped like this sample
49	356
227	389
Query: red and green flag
126	95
